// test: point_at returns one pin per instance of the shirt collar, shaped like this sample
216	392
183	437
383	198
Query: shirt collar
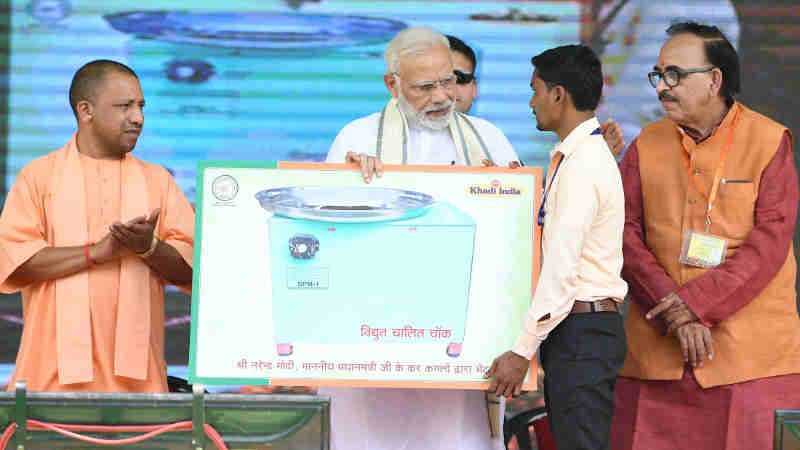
726	123
570	144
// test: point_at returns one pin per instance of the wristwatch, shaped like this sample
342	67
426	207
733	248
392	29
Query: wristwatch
153	244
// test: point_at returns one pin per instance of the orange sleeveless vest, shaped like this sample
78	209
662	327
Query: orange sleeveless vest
760	340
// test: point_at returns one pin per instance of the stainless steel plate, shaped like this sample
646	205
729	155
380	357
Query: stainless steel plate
256	30
345	204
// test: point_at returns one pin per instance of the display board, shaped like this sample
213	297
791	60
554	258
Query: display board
304	274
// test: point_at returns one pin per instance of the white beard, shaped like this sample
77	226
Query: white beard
420	118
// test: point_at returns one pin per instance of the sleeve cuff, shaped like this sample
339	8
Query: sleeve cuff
22	253
692	302
526	345
187	253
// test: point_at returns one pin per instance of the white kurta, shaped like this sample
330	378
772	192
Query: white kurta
424	146
412	419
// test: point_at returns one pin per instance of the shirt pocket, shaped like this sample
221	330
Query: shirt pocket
734	215
742	188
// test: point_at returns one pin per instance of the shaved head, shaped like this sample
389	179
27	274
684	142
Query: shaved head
89	79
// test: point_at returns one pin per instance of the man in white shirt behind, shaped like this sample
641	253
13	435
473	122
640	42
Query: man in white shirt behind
574	314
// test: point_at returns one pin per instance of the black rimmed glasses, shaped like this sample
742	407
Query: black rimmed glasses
464	77
672	75
427	88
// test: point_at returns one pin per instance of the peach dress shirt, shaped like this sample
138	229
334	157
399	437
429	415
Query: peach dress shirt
582	234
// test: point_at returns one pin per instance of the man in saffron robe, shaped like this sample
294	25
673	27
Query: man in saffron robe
711	202
91	235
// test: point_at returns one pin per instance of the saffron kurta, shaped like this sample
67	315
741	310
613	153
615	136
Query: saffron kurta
749	301
27	226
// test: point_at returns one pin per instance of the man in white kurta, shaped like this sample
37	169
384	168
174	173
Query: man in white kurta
419	76
426	146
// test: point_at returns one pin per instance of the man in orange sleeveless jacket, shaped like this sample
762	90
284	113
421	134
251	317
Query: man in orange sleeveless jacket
711	204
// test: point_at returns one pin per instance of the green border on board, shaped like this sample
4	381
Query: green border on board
198	233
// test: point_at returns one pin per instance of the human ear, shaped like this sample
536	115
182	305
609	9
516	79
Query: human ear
84	110
560	93
716	81
391	83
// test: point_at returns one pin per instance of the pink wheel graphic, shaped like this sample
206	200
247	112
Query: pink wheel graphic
285	349
454	349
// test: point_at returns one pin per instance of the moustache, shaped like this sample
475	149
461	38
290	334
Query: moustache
666	96
438	107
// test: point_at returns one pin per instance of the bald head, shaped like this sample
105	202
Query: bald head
90	78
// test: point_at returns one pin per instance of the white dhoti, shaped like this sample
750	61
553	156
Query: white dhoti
410	419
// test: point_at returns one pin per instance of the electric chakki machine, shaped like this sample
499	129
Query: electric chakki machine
356	265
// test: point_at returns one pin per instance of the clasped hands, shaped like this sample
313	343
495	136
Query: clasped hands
694	337
135	235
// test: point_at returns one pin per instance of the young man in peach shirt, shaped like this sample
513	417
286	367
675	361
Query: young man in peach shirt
91	235
574	314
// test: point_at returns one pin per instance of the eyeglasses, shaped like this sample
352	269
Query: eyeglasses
426	88
464	77
672	76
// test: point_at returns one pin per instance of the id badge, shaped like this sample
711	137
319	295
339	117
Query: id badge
702	249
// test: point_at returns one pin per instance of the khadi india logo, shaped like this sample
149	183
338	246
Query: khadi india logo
494	189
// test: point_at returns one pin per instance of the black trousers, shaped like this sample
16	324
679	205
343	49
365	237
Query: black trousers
581	358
